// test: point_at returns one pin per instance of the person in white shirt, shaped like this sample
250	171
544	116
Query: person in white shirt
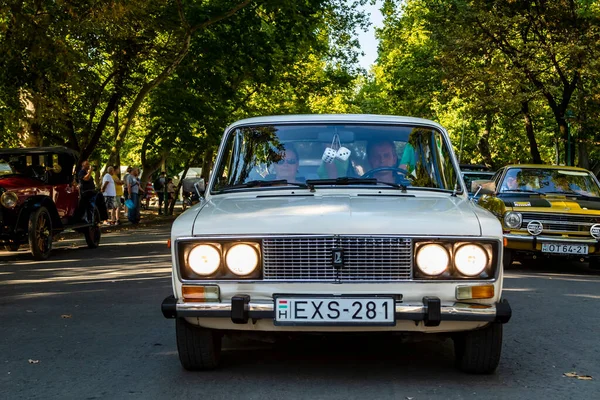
110	192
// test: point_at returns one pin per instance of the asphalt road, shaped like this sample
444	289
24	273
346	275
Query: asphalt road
86	324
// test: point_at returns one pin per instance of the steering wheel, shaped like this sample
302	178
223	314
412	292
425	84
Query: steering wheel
369	174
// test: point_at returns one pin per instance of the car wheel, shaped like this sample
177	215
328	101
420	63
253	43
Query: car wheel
594	263
93	233
12	247
199	348
478	351
507	258
40	233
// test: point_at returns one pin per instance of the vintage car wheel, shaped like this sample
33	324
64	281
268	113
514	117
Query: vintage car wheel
40	233
478	351
199	348
93	233
12	247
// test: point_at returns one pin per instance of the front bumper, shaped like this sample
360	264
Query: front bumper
430	311
534	243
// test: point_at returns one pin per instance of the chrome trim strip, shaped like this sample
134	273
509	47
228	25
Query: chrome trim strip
453	311
523	238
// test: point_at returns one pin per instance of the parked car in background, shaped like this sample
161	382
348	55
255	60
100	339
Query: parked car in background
474	172
39	198
546	211
364	246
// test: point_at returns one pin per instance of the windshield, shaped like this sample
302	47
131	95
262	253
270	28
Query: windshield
549	181
349	154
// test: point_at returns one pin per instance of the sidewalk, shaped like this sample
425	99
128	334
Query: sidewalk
148	217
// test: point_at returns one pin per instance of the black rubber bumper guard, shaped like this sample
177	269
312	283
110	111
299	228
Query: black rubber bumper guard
240	313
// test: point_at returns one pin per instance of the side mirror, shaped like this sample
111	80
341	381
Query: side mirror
483	186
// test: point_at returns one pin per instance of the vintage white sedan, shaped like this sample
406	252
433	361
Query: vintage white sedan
337	223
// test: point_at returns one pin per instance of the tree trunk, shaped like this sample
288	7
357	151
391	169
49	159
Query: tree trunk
584	160
535	153
178	188
207	164
483	145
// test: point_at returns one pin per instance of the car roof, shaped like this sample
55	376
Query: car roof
40	150
334	118
542	166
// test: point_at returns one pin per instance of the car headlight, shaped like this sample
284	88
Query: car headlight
241	259
432	259
9	199
204	259
470	259
513	220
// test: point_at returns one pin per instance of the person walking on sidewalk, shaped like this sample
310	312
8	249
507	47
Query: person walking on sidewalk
133	187
109	192
118	197
160	185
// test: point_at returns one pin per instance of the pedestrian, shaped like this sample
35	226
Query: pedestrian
149	193
133	187
160	185
170	195
118	197
87	188
125	186
85	178
109	192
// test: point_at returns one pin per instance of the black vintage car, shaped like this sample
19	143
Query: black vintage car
39	198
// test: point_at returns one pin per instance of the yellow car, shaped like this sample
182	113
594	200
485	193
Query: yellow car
545	211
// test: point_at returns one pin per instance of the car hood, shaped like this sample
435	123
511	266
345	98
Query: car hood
439	214
17	182
552	204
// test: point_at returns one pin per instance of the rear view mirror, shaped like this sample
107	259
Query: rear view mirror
199	187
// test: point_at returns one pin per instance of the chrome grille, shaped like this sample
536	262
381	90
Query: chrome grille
561	222
310	259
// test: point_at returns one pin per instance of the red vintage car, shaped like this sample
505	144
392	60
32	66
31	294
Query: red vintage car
39	198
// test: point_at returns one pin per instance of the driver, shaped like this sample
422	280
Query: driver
383	154
287	167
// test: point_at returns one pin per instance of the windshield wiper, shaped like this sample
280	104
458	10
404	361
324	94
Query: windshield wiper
258	183
347	180
520	190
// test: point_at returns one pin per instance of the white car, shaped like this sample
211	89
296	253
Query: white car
381	238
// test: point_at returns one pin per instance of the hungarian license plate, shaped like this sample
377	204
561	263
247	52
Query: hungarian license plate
564	248
347	310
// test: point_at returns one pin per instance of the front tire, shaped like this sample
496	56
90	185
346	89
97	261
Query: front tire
93	233
478	351
199	348
40	233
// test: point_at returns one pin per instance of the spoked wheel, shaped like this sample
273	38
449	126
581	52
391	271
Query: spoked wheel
40	233
92	233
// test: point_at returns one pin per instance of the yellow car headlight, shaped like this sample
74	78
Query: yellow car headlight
204	259
432	259
9	199
241	259
470	259
513	220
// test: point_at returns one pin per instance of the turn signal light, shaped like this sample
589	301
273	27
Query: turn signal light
200	294
169	243
474	292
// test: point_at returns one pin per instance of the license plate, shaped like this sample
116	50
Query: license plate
565	248
290	310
